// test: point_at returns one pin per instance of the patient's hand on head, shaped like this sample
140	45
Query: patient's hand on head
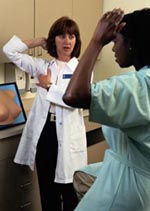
9	110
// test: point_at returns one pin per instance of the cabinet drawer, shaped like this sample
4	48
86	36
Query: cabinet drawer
26	180
7	186
8	147
28	197
28	200
19	188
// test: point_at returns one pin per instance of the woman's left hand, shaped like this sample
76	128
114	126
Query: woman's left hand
44	80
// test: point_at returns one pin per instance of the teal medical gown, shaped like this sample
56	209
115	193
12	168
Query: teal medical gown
122	105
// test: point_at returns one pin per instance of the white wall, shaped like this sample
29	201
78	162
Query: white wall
126	5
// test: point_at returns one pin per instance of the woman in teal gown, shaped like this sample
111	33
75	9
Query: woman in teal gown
122	105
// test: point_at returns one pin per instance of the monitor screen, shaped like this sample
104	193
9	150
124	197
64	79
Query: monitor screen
12	113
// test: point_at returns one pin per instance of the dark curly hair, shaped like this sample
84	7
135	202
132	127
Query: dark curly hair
137	30
61	26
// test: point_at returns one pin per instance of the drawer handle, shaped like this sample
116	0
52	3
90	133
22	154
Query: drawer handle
39	51
31	52
27	204
25	185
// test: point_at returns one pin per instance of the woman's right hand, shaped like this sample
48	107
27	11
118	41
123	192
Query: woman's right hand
32	43
43	43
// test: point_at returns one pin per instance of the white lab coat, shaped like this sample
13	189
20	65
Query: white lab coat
72	147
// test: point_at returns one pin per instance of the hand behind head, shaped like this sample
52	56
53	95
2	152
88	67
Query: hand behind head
107	26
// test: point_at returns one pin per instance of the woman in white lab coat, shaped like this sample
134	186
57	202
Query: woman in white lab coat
54	134
122	105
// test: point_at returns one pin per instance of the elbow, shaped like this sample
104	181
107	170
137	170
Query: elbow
76	101
4	50
70	100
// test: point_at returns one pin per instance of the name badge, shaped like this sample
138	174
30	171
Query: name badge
67	76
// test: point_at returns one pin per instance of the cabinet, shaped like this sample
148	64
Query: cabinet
46	12
33	18
86	14
28	19
16	18
19	185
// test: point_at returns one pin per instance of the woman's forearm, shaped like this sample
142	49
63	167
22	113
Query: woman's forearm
78	93
32	43
78	90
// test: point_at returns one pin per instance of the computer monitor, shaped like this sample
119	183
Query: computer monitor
12	113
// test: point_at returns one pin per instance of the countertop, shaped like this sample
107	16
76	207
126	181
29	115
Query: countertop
28	98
